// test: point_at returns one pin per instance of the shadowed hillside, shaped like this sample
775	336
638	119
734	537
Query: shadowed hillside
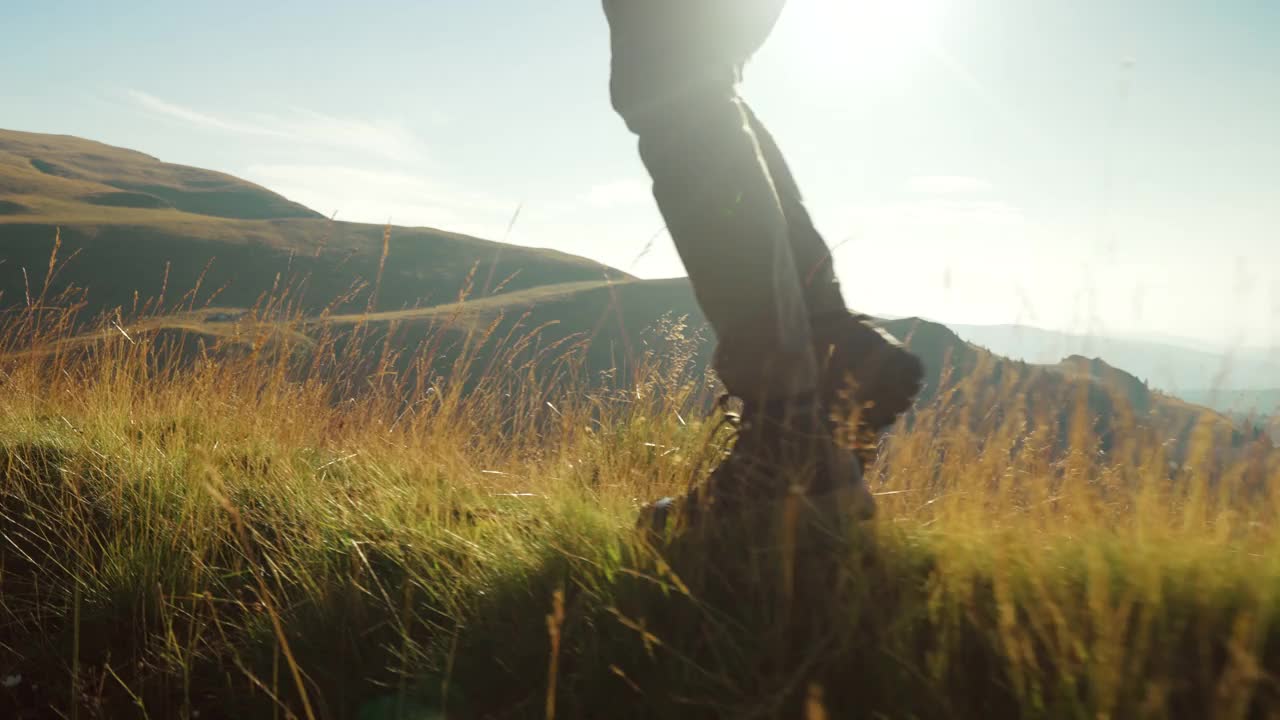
1113	398
612	329
133	224
205	249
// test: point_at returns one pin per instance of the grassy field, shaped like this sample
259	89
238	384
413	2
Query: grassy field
258	531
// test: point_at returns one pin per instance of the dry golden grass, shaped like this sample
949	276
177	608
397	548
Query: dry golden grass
270	528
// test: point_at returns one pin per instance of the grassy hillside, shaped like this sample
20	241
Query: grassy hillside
217	538
133	224
611	325
117	226
304	480
70	178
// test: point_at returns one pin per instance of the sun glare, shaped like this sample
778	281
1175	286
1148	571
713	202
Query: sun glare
874	38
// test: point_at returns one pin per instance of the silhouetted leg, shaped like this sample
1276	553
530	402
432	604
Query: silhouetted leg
887	376
713	188
676	65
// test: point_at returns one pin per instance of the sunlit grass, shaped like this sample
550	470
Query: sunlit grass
300	523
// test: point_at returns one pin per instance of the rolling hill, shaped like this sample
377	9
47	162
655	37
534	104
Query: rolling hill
212	246
139	225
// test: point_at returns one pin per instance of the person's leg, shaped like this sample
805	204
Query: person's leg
675	85
848	348
678	94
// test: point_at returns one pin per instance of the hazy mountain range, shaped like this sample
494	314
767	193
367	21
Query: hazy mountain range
1242	379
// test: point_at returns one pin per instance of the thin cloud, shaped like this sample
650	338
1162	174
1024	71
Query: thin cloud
385	139
192	117
300	126
948	185
371	195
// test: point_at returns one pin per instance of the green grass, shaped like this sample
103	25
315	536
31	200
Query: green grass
287	531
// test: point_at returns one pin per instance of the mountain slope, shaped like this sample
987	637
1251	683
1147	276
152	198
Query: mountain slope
614	322
208	248
67	177
142	228
1114	400
1164	364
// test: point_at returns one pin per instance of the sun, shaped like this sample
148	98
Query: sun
871	38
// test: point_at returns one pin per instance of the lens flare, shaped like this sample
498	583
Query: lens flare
874	38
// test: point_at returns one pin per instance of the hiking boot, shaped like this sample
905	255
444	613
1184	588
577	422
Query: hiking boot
781	448
853	353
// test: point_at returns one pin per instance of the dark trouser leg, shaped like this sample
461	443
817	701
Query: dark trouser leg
715	193
887	376
714	190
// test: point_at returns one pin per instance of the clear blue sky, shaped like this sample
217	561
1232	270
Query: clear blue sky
1091	165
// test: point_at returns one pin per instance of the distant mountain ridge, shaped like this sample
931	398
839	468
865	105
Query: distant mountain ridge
1163	364
1237	402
